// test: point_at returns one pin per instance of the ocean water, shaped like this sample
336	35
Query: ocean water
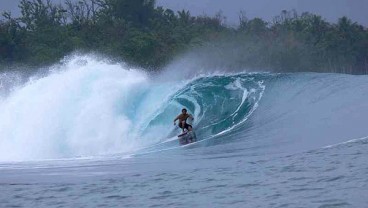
91	133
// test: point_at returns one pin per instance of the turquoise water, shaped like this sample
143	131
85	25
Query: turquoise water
94	134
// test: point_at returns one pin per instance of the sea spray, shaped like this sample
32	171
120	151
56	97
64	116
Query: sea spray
78	110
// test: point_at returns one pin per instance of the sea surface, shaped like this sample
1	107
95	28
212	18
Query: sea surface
91	133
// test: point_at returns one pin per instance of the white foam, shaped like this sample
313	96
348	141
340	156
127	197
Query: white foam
86	107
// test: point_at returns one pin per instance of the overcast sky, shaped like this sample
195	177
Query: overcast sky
331	10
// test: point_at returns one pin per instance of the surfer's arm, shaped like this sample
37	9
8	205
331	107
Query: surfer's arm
176	119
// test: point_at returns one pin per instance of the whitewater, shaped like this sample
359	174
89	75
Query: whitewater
95	133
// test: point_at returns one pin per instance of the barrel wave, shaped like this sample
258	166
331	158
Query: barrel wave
218	104
89	107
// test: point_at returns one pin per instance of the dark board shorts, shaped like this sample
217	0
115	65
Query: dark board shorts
186	126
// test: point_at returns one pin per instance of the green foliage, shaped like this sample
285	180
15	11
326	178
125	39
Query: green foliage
148	36
11	40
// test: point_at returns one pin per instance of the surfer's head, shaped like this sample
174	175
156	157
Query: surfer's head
184	111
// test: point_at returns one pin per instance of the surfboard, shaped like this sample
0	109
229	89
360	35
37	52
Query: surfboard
187	137
182	134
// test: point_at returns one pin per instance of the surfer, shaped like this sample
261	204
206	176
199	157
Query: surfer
183	120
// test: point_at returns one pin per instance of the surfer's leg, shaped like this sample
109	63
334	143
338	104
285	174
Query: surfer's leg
182	126
189	127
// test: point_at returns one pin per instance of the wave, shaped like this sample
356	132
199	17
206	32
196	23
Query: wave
89	107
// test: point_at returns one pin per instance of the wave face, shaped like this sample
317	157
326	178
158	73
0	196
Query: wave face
218	103
89	107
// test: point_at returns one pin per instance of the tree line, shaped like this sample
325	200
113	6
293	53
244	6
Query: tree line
148	36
